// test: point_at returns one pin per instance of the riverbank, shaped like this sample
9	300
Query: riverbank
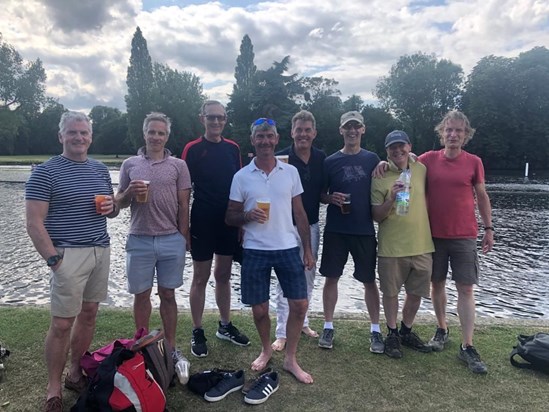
109	160
347	378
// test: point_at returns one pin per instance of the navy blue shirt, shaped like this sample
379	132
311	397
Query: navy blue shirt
312	179
350	174
212	167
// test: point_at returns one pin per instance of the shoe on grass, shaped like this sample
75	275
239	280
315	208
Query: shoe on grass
231	333
250	383
53	404
471	358
440	339
77	386
198	343
392	346
265	386
412	341
326	339
376	343
231	382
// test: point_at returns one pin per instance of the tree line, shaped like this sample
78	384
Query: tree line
506	100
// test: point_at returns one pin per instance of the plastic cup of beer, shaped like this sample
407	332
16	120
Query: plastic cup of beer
143	197
265	205
99	199
346	205
283	158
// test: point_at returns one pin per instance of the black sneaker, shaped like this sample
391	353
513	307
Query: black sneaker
392	346
470	356
231	382
411	340
231	333
441	338
198	343
326	339
265	386
250	383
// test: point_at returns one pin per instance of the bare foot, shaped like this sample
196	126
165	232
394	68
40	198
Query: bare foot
279	344
298	373
262	360
309	332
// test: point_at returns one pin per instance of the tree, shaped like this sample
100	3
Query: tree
110	129
179	96
354	102
239	108
140	83
379	123
44	129
418	91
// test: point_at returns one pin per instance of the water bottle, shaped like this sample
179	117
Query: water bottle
182	367
403	197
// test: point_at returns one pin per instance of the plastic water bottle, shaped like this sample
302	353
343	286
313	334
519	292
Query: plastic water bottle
403	197
182	367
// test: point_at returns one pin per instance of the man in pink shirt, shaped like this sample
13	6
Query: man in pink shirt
455	179
157	187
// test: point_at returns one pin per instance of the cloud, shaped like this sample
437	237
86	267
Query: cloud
85	45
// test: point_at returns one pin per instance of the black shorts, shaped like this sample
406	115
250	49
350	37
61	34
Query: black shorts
335	252
210	234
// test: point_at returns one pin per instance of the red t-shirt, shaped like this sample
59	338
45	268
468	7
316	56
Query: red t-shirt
451	194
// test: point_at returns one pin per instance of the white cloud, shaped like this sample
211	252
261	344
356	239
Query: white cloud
85	50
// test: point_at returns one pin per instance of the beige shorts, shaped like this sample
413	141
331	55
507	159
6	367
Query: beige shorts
414	272
82	277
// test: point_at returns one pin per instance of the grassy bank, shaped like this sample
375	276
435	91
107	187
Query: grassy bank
109	160
347	378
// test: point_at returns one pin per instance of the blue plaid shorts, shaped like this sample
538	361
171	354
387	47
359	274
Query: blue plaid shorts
256	274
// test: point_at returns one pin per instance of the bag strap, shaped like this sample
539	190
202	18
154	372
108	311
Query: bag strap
522	365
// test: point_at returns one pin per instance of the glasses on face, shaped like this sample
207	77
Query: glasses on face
349	126
262	120
214	117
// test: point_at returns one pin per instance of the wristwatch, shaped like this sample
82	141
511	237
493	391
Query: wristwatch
53	260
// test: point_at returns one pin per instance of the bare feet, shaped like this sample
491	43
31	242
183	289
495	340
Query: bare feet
296	370
309	332
262	360
279	344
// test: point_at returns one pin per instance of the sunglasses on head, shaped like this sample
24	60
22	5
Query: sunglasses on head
213	117
351	125
262	120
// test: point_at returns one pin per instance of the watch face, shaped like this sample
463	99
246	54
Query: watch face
53	260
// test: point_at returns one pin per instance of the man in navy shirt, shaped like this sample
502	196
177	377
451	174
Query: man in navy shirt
212	161
309	162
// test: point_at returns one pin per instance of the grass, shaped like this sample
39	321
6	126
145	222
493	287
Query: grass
347	378
109	160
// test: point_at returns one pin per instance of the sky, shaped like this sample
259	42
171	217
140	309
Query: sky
85	45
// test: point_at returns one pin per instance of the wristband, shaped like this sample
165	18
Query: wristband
488	228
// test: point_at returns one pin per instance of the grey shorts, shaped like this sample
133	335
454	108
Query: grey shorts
463	258
147	255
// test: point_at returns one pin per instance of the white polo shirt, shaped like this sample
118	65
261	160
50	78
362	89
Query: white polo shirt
280	186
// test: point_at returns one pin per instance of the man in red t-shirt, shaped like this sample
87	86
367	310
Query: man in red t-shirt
455	182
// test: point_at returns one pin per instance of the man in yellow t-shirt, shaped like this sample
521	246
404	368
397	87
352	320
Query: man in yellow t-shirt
405	245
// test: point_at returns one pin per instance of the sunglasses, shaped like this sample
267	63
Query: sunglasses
349	126
262	120
214	117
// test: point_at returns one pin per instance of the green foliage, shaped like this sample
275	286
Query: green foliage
179	96
379	123
419	90
9	125
110	128
140	83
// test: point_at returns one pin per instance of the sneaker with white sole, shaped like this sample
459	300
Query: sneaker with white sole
441	338
198	343
265	386
231	333
326	339
231	382
376	343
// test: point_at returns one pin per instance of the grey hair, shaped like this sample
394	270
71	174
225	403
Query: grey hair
157	117
71	116
262	127
209	103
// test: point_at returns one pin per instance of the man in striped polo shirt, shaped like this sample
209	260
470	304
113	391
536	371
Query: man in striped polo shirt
71	235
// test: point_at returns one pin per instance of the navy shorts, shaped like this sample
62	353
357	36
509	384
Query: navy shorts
335	252
256	274
210	234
